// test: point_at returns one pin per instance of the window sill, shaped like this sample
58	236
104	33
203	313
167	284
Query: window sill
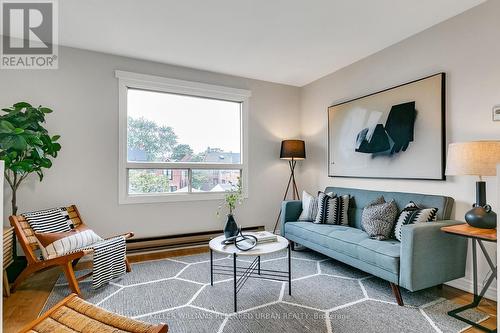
178	197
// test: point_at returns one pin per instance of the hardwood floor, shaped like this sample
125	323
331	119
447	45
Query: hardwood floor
24	305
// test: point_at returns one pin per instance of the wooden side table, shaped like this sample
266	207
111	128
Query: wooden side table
476	235
8	256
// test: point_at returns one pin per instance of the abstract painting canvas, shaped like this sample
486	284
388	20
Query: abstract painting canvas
395	133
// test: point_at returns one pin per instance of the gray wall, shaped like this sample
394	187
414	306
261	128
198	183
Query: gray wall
467	48
84	96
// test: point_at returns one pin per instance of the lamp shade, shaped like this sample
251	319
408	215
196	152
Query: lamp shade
478	158
293	149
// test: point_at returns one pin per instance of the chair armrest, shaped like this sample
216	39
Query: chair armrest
290	211
430	256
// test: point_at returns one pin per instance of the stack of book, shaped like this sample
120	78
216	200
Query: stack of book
265	237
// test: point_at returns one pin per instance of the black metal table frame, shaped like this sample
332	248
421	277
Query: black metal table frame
241	274
477	297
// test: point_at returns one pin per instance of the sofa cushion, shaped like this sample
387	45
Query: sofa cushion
349	241
383	254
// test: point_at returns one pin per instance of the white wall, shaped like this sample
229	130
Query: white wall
84	95
467	48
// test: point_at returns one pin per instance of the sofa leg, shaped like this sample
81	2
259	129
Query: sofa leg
397	293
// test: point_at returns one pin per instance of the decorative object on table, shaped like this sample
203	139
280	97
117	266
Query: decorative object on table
476	158
8	256
30	246
231	199
241	241
291	150
73	313
378	218
476	235
265	237
413	214
388	133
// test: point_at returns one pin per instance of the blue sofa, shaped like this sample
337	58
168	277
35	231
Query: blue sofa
425	257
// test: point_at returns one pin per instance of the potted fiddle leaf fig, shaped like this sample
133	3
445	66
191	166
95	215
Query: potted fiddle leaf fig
25	144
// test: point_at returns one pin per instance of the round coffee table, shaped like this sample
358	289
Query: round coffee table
241	274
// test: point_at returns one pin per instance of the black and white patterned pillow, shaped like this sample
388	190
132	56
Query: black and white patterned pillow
323	201
332	209
413	214
309	207
49	220
378	218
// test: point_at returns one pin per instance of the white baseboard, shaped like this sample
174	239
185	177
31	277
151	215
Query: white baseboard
466	285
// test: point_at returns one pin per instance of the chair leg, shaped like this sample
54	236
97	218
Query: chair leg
70	276
23	276
292	246
6	286
128	267
397	293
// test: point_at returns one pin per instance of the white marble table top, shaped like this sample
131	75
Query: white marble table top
217	245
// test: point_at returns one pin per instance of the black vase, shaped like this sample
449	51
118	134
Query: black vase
481	217
231	228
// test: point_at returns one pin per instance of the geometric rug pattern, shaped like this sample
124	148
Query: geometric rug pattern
327	296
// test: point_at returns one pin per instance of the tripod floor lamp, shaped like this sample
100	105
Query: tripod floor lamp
291	150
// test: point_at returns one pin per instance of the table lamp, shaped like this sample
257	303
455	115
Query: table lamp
476	158
291	150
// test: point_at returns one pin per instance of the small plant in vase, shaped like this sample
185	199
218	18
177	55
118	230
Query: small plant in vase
231	199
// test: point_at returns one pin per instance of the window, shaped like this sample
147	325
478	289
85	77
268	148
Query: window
180	140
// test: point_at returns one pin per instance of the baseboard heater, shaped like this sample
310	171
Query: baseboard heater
176	241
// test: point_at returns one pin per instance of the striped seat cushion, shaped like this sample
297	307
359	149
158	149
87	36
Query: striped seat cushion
49	220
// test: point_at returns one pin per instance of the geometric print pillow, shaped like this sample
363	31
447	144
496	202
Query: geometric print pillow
332	209
413	214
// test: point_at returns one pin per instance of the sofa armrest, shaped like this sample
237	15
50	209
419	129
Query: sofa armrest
290	211
430	256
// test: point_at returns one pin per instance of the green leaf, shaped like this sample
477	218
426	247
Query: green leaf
22	105
45	163
55	138
18	130
45	110
7	125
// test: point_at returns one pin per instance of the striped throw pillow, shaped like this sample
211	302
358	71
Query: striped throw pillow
309	207
49	220
56	244
413	214
332	209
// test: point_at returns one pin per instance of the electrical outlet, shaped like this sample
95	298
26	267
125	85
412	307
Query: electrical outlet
496	113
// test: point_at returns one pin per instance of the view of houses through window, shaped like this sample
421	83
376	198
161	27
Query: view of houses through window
179	143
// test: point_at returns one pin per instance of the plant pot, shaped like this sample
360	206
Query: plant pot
230	228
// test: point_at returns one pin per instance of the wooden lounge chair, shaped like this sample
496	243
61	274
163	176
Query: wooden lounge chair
27	239
73	314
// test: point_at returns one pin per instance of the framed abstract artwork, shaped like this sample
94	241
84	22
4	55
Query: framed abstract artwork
394	133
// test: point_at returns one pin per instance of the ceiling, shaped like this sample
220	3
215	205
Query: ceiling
285	41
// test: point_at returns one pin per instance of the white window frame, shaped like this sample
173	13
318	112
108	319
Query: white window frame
128	80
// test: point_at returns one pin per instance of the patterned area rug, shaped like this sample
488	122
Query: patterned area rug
327	296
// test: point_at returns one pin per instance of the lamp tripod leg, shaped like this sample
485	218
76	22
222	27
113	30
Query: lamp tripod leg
295	191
